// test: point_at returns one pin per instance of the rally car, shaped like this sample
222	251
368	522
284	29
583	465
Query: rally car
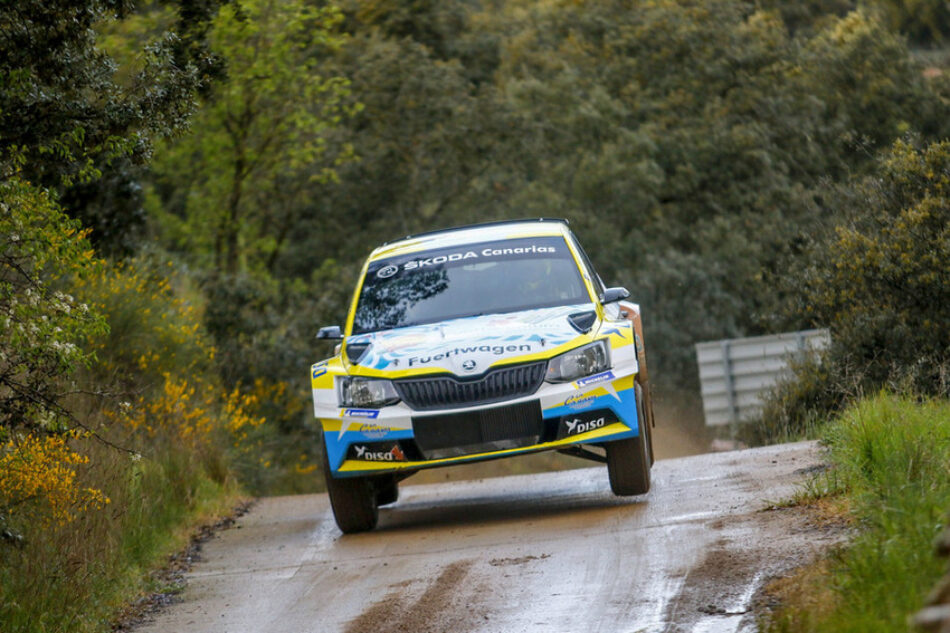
476	343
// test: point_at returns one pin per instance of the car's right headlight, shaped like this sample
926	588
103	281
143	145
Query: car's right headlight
577	363
368	393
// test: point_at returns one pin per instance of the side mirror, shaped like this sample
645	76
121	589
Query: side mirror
330	333
612	295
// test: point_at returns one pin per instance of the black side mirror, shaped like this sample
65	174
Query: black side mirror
330	333
614	294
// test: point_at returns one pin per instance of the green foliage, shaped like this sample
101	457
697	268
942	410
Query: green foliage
880	282
70	113
892	456
259	146
799	405
923	21
154	329
686	142
61	110
159	397
42	327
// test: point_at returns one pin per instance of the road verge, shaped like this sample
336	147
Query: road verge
890	476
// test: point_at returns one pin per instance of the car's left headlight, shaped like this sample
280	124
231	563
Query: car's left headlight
369	393
577	363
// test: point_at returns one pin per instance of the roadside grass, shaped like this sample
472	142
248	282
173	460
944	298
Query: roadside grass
77	577
890	458
153	391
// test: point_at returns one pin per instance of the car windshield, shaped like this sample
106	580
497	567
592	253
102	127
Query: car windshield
468	280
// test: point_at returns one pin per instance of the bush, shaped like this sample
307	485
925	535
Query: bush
153	330
880	282
923	21
42	334
165	435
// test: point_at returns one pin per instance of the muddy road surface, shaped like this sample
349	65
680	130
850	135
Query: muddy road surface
553	552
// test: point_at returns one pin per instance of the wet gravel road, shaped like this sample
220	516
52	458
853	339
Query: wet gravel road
554	552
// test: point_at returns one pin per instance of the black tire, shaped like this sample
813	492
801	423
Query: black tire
628	461
353	500
650	422
387	491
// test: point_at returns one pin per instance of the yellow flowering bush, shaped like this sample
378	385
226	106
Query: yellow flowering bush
189	413
38	478
153	330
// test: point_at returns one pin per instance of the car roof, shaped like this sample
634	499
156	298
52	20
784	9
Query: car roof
487	232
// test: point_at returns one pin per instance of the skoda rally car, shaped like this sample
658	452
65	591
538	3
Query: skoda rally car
477	343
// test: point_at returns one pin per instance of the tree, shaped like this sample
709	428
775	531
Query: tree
69	111
61	108
260	141
881	280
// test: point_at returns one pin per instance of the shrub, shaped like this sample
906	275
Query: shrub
880	282
154	331
42	334
168	432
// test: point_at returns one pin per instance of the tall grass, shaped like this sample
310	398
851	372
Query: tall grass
77	577
892	455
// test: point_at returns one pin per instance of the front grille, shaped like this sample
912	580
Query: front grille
448	392
454	434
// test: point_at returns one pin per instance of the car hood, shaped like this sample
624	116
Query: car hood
470	345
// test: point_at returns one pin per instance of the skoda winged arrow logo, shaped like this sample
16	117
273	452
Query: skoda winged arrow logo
469	365
387	271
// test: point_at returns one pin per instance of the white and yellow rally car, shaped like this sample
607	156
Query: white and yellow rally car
477	343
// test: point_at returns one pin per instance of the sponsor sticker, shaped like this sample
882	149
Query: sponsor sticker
376	454
584	422
373	431
577	426
319	369
579	402
361	413
497	350
415	264
520	248
596	378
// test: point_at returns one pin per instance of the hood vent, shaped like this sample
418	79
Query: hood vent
356	351
583	321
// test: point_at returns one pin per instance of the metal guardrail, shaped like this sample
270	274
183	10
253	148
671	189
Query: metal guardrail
734	374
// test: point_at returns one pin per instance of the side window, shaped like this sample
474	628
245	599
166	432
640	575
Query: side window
595	278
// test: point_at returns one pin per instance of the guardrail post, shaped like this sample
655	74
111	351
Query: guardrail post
725	346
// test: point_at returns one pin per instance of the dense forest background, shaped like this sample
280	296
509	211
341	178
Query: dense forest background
188	189
696	148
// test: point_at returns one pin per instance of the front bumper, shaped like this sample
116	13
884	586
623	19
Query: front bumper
592	410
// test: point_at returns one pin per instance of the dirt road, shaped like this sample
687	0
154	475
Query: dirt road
554	552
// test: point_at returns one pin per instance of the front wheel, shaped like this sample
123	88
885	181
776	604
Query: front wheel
353	500
628	461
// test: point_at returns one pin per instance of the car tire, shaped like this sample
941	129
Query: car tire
387	491
353	500
628	461
649	421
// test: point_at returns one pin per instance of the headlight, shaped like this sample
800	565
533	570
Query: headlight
579	362
366	392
